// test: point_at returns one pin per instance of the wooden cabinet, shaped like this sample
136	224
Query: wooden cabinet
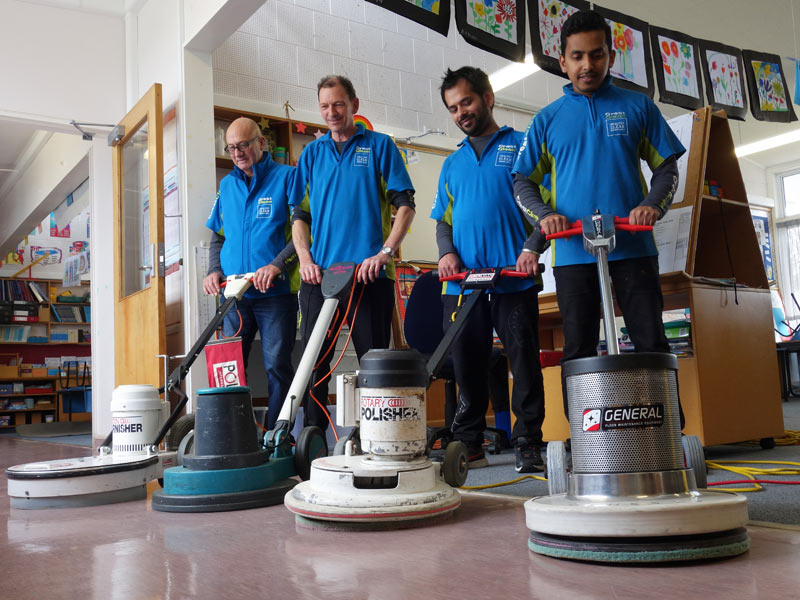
729	385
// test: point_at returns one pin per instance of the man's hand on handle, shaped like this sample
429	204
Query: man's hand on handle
449	264
528	262
264	278
310	272
553	224
371	267
643	215
211	283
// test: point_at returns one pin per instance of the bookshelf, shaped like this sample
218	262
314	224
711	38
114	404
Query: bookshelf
280	132
27	400
729	384
39	324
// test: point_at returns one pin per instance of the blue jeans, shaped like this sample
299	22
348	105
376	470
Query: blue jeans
275	318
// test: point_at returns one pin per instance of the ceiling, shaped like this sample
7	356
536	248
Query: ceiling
16	139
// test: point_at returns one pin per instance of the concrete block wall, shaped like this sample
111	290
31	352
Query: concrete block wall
396	65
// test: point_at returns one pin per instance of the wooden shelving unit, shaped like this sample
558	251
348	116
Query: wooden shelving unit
22	416
47	328
729	387
280	132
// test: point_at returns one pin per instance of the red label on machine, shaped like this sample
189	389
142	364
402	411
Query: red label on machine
225	364
591	419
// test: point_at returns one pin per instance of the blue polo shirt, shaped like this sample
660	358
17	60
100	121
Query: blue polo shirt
591	147
254	220
476	198
347	195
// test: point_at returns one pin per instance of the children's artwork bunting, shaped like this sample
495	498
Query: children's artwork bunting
546	19
769	95
497	26
633	63
434	14
678	70
723	73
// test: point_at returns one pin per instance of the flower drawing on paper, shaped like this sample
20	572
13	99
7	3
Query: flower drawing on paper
726	80
771	94
429	5
495	17
552	14
630	58
680	75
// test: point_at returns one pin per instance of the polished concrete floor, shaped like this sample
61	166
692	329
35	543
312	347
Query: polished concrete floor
128	551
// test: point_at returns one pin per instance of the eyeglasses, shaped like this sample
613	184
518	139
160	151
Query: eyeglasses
241	146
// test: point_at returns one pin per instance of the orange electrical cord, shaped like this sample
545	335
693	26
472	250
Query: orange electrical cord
341	354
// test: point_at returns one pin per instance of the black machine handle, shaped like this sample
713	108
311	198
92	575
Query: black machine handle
486	279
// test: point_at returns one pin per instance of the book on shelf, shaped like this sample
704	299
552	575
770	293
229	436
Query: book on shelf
66	314
14	333
37	291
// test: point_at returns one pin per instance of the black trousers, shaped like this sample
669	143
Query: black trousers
637	288
516	319
372	328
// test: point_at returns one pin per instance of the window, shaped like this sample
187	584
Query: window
787	227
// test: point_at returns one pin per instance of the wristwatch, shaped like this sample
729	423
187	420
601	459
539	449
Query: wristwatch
388	250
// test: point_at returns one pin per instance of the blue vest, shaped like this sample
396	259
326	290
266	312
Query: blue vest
254	220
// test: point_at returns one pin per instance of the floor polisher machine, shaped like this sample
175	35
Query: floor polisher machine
636	489
132	455
380	475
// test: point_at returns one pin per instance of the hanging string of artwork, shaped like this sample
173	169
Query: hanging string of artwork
633	64
686	63
496	26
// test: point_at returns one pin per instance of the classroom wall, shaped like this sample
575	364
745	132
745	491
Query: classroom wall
66	64
284	48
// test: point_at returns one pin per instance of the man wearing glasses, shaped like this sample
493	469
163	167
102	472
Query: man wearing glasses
251	233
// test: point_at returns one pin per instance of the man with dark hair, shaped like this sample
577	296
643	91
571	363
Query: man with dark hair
478	226
251	233
346	184
591	142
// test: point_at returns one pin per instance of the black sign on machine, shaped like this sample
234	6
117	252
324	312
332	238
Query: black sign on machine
631	416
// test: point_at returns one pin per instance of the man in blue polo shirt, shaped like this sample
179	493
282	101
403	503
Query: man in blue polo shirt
478	226
251	233
591	141
346	184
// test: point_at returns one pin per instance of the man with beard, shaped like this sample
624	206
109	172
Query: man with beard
480	226
593	139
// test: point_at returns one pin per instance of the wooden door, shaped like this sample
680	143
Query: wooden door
140	307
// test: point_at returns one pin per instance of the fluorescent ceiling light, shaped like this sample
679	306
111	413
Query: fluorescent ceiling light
769	143
502	78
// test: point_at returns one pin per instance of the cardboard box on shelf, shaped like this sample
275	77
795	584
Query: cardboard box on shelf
9	365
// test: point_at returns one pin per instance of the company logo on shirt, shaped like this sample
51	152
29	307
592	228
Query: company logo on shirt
264	210
505	155
361	158
616	124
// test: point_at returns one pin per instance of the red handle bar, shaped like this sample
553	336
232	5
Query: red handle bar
224	282
620	223
504	273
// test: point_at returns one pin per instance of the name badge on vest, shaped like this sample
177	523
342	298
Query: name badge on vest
505	155
616	124
361	159
264	210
